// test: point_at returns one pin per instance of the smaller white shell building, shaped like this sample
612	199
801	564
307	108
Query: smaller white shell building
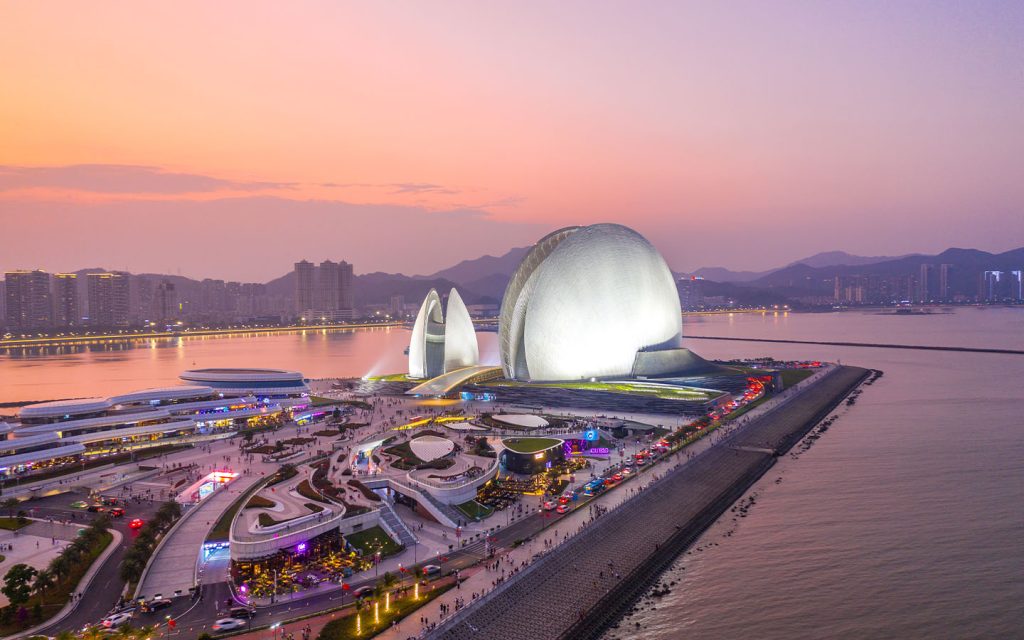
442	342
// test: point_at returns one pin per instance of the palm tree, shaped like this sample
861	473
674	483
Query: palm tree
66	635
43	582
126	632
10	504
59	567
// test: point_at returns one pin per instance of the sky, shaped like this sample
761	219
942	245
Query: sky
232	139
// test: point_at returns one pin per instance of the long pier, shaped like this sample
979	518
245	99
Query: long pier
576	592
873	345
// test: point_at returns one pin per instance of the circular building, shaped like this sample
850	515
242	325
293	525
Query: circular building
272	383
586	302
530	455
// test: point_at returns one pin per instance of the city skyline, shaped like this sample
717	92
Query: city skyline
370	131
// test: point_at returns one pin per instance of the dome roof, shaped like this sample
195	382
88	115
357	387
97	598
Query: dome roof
583	302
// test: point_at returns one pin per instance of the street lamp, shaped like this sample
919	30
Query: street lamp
274	627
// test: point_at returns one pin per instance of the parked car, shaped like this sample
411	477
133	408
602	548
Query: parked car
116	620
228	624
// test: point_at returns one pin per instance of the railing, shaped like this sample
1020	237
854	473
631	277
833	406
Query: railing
461	481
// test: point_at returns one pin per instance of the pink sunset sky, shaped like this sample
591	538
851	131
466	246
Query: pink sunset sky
230	139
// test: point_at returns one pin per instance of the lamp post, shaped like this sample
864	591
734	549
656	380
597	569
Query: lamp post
274	627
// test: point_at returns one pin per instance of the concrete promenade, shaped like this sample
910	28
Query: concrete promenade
599	571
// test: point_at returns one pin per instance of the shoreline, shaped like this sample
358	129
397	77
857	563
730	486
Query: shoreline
646	534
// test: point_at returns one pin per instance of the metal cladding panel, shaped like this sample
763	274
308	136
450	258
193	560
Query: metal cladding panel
513	303
460	345
429	314
602	294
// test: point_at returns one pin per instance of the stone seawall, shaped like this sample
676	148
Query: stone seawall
593	578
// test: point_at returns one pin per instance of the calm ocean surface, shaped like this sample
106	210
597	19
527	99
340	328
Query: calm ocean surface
905	520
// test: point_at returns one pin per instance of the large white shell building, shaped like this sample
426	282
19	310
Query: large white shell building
591	302
442	342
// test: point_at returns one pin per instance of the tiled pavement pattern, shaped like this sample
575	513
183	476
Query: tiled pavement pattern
563	595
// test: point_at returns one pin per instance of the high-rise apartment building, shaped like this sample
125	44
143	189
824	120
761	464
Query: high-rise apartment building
328	286
1015	283
851	289
346	287
28	300
304	281
109	300
945	291
691	292
396	306
165	302
66	310
927	283
324	292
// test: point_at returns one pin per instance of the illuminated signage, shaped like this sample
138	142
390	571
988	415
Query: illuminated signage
599	451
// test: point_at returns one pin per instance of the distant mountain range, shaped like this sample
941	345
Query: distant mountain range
818	260
482	280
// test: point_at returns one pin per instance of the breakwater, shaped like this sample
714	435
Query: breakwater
873	345
597	575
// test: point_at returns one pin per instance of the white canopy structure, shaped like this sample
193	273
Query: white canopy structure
442	342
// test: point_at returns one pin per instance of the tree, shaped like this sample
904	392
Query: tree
10	504
43	582
59	567
17	584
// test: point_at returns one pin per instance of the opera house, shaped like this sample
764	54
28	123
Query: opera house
592	302
442	341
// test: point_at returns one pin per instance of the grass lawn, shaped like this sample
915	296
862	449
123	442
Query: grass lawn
529	445
259	502
639	387
12	524
792	376
474	510
404	451
372	540
266	520
222	529
286	472
306	491
345	628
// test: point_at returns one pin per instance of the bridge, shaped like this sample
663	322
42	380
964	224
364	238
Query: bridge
448	382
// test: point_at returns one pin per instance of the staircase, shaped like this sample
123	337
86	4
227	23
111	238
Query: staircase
395	525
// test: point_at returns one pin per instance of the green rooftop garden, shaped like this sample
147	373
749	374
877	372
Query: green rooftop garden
529	445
